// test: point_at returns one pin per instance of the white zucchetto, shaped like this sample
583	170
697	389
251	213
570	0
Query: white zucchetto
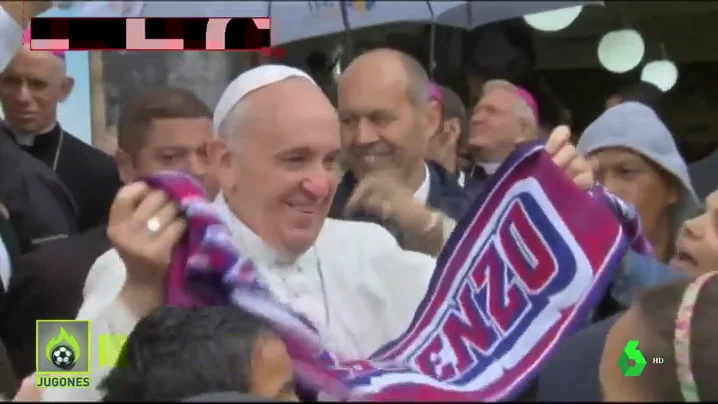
249	81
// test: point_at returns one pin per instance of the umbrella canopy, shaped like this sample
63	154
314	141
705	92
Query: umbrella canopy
472	14
298	20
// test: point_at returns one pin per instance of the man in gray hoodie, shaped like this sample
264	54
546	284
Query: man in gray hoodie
638	160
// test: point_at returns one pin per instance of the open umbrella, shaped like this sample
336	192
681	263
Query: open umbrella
298	20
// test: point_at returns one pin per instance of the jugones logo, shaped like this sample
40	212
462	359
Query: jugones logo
62	353
631	353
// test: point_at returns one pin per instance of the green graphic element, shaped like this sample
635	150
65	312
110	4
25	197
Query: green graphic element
631	353
110	349
62	338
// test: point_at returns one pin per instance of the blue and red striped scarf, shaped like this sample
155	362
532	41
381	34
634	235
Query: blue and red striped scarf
523	269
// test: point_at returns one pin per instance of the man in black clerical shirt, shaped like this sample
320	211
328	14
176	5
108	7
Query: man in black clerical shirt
31	87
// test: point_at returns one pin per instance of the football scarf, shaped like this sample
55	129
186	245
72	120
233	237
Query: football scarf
523	269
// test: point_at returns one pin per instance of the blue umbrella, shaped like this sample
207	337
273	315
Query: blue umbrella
298	20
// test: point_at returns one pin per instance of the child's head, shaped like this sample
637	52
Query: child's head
673	323
174	354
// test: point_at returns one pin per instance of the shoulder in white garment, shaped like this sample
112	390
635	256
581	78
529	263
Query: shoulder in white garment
374	288
374	285
10	38
107	316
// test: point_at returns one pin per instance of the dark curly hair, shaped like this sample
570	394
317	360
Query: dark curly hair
173	354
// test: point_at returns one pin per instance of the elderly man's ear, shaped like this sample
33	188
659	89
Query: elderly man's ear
68	83
432	118
220	157
218	151
453	127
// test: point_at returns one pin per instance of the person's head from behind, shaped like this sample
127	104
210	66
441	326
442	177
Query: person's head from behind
642	92
673	323
174	354
501	119
444	145
386	114
697	241
638	160
278	155
31	87
166	129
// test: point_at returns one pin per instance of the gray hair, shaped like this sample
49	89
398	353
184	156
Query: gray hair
522	108
419	81
234	120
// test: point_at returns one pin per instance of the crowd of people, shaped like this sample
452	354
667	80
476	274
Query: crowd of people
344	208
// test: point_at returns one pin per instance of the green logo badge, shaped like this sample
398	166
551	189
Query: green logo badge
63	350
631	353
63	346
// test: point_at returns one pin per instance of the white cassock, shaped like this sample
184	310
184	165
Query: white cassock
10	38
356	285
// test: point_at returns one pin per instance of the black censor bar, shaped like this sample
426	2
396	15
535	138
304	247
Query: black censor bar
150	34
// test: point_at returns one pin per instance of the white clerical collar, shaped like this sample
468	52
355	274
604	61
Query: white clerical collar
461	178
489	168
251	244
422	194
5	265
28	139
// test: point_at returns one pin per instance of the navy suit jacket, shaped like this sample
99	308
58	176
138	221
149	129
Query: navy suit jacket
572	373
445	194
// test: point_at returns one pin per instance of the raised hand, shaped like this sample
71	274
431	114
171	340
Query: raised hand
565	155
143	227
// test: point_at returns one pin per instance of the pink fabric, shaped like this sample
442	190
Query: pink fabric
435	93
26	40
530	100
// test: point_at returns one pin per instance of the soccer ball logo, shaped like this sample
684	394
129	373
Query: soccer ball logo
63	357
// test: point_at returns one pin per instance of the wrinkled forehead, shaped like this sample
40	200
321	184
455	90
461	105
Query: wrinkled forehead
365	88
294	112
499	98
179	132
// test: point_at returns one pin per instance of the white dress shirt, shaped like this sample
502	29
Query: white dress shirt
489	168
461	179
368	296
422	193
5	265
10	38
